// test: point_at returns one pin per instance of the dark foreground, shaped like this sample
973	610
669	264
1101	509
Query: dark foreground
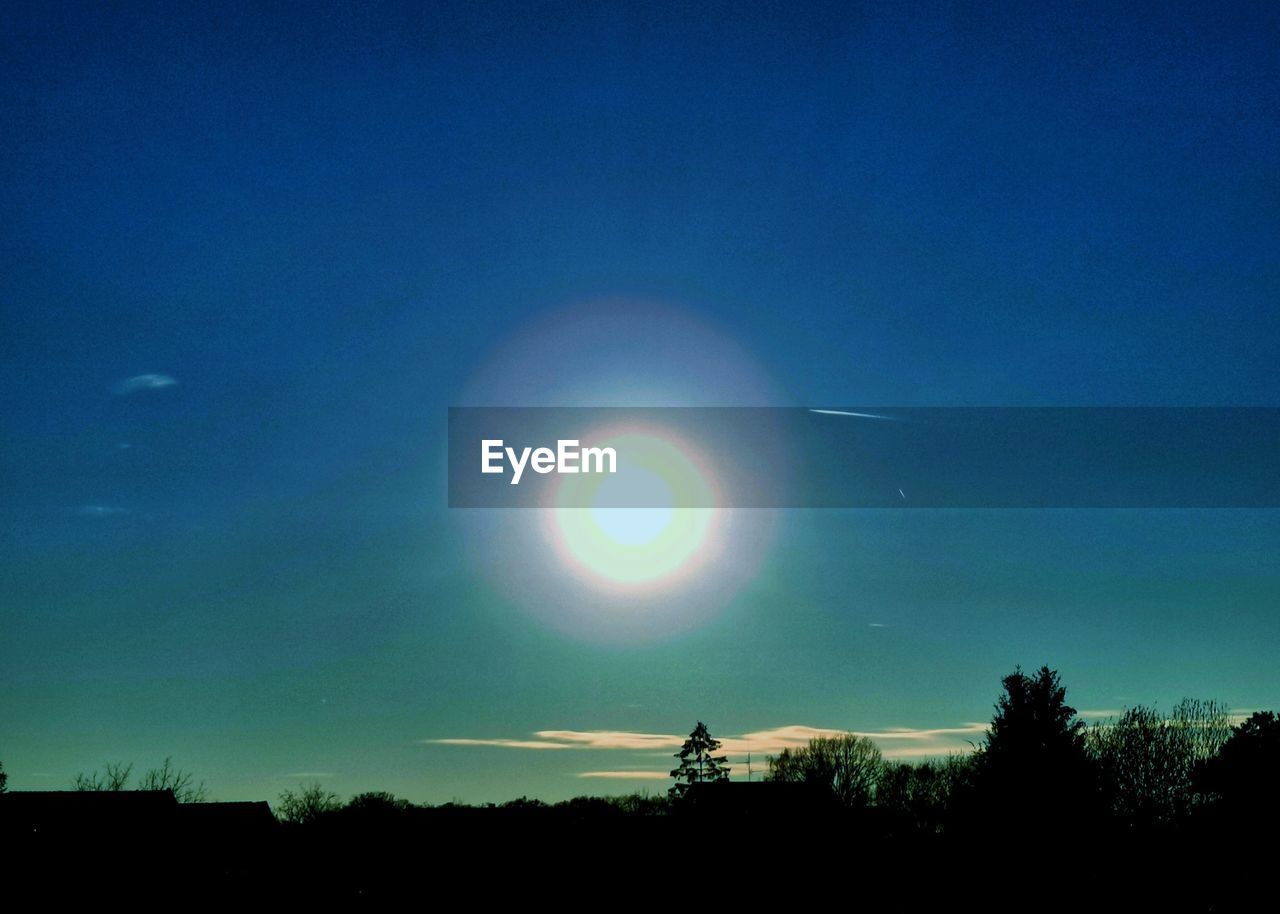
143	847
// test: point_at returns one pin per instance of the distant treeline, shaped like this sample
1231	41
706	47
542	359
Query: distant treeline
1159	810
1038	765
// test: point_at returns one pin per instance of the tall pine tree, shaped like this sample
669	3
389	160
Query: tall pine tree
698	761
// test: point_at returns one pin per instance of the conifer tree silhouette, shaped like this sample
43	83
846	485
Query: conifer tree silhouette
698	761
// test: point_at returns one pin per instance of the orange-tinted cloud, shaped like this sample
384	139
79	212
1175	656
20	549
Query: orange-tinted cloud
895	742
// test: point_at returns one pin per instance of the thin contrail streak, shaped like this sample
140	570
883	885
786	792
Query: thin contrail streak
845	412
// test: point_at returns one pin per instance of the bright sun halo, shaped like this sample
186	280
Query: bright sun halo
616	542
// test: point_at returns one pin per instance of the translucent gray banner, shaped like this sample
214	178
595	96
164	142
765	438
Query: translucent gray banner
864	457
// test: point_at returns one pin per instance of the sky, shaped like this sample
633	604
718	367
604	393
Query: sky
250	256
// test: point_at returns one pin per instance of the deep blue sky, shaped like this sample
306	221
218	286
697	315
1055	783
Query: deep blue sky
328	225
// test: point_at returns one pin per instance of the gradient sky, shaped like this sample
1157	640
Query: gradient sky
318	228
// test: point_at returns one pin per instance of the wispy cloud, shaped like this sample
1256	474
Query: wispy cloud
895	742
612	739
627	775
574	739
308	775
100	510
502	743
1108	716
145	382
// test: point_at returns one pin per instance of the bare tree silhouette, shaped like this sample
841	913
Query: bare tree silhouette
308	804
167	777
923	794
1148	759
115	777
182	783
849	765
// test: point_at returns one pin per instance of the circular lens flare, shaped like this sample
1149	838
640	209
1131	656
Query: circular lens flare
632	526
618	351
643	524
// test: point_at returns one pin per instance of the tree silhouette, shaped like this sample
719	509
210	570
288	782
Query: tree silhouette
1033	764
1147	759
376	802
116	777
182	783
166	777
307	805
846	764
4	779
1242	777
922	795
698	763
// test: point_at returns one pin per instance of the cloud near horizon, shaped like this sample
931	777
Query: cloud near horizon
627	775
307	775
894	742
